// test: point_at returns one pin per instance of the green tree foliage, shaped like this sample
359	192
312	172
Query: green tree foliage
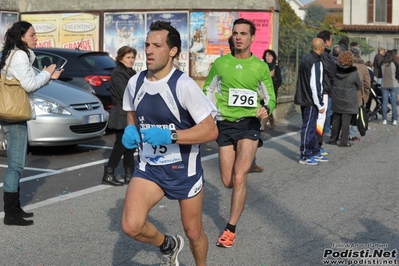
364	46
315	15
290	27
293	43
332	23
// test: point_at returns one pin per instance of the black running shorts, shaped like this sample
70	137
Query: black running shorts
231	132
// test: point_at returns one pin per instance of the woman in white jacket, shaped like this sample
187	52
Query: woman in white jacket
19	40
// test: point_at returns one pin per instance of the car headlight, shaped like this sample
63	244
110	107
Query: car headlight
51	107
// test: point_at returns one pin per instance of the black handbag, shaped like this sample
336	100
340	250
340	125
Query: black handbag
362	121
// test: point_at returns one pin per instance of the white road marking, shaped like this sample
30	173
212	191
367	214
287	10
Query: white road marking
62	198
64	170
98	187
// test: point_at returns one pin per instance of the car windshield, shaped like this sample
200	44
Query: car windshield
95	62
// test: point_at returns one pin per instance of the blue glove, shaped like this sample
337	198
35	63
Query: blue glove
157	136
130	137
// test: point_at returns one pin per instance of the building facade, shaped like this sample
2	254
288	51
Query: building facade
374	21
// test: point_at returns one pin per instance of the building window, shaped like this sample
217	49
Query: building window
396	42
379	11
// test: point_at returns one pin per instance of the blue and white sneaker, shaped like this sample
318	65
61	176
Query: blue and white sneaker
321	158
324	152
310	161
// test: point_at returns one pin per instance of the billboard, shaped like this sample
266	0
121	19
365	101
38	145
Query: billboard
6	21
209	34
122	29
67	30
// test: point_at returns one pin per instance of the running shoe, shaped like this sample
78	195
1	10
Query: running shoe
384	122
324	152
170	259
395	123
310	161
321	158
226	240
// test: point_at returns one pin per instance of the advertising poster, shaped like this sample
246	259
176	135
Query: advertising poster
129	29
180	21
263	36
219	31
215	31
216	28
79	30
46	27
6	21
199	60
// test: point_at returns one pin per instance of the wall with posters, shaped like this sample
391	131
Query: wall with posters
210	31
204	33
130	28
78	5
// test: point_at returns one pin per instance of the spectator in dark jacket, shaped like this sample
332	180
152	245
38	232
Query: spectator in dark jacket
345	100
308	95
329	69
270	58
377	62
118	118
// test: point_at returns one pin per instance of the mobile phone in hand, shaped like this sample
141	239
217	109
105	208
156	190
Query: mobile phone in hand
59	67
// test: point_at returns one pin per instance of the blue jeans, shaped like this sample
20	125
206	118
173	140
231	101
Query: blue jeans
17	145
352	131
392	94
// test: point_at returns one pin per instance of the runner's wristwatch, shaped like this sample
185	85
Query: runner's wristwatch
173	136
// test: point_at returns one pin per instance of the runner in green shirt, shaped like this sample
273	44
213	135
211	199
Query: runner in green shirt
237	84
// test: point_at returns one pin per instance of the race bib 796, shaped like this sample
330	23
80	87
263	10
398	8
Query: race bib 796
243	98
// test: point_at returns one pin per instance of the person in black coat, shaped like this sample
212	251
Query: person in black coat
270	58
118	120
345	100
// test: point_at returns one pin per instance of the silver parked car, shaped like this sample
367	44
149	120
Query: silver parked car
65	115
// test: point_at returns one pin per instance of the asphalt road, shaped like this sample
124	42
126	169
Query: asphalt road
294	214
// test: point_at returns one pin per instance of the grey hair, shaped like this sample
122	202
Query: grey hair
356	52
336	50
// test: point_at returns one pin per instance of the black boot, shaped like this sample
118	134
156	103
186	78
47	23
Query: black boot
21	211
12	213
109	178
128	174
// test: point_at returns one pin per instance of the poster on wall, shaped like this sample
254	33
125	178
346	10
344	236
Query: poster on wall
67	30
46	27
209	34
128	29
6	21
219	31
79	31
180	21
263	31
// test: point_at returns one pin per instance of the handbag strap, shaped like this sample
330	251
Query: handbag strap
3	77
9	62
